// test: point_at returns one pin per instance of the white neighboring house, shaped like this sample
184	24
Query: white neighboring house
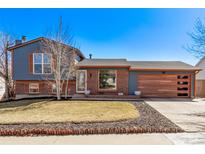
200	79
2	87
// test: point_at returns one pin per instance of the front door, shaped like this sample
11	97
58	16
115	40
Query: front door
81	81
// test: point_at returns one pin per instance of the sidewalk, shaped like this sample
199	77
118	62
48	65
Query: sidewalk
132	139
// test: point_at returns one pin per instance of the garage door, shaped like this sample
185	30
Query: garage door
164	85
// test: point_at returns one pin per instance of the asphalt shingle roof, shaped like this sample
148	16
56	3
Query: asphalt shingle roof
137	64
103	62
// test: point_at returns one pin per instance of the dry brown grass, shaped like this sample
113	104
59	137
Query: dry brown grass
67	111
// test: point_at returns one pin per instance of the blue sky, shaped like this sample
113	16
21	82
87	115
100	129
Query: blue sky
135	34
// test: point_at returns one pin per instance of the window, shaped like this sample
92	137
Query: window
182	77
107	79
33	88
42	63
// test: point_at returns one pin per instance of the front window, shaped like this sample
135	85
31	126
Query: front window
107	79
42	63
33	88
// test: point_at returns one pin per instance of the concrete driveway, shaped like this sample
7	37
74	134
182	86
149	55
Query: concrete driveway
189	115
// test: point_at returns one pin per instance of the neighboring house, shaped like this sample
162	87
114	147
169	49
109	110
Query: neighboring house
29	74
2	87
122	77
200	79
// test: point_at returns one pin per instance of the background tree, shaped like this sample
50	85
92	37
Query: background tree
5	61
197	46
60	47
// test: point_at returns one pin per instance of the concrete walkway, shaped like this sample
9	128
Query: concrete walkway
144	139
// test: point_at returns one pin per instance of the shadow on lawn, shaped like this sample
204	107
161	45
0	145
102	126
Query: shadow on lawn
23	102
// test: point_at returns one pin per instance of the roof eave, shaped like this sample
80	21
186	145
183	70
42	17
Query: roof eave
165	69
102	66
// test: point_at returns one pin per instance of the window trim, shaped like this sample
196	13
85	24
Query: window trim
85	71
115	89
34	92
42	63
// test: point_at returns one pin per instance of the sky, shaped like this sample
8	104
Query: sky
134	34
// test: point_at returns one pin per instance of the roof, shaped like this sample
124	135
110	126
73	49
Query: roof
160	65
40	39
103	62
137	65
200	61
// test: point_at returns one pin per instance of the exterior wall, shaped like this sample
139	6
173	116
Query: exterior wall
122	82
45	88
133	80
22	67
200	88
200	79
201	74
21	62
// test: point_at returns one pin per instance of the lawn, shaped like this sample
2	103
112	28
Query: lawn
47	111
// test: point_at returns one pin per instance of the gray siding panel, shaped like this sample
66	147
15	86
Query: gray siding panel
132	87
21	63
193	85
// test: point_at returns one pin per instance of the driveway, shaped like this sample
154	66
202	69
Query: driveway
189	115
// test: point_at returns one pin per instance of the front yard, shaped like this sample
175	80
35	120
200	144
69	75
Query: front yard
46	111
49	117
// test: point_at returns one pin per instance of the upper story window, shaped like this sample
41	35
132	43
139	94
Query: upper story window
41	63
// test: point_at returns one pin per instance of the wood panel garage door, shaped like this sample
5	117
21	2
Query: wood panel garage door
164	85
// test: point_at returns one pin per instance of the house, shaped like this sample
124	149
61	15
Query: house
149	78
29	74
111	77
200	79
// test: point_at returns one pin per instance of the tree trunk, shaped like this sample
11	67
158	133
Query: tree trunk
66	90
6	75
58	86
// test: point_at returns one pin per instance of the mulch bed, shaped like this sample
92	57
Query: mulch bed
150	121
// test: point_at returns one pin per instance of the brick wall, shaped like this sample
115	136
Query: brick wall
122	82
45	88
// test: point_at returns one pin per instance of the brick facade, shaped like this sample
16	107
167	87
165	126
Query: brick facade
122	82
45	87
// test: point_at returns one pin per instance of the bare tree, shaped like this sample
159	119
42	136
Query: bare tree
5	70
197	46
59	47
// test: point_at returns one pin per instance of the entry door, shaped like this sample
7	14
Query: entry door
81	81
